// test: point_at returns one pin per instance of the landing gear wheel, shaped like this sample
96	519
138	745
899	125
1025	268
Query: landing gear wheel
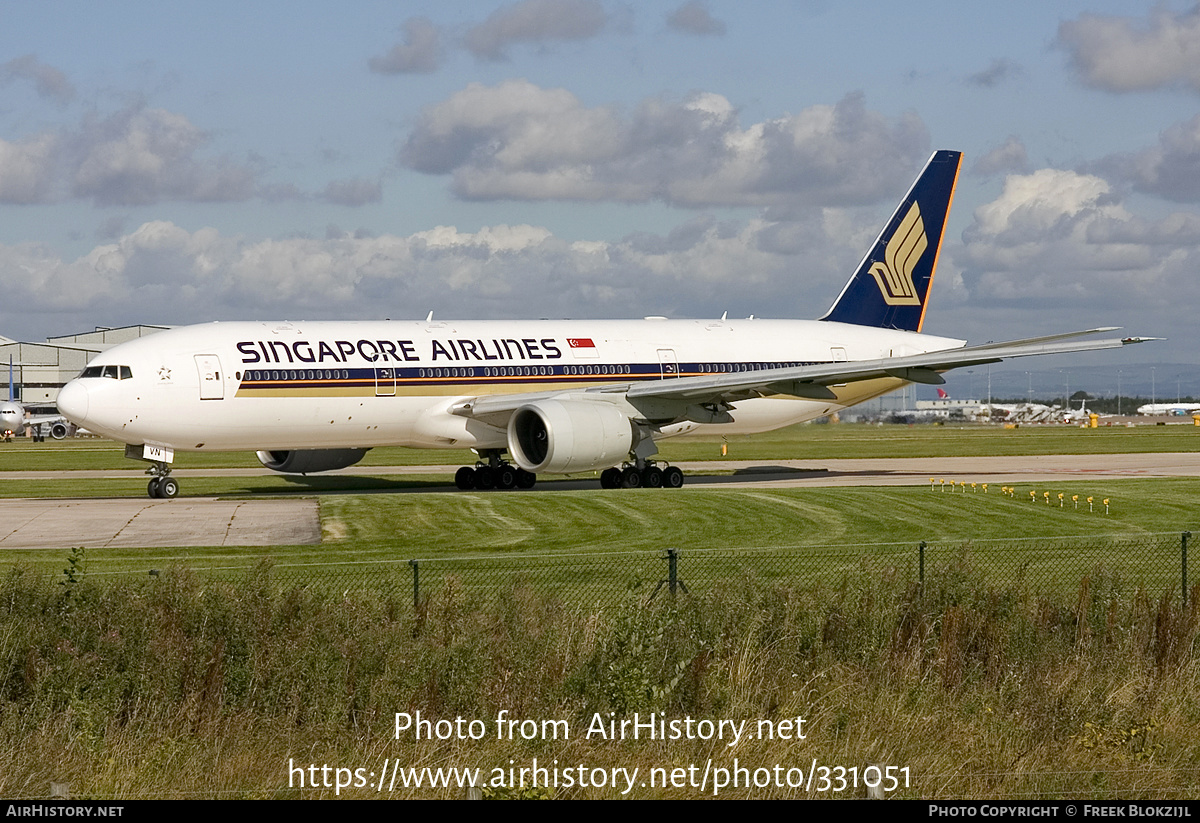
525	480
506	477
610	479
464	478
485	478
672	477
631	478
153	487
168	488
652	477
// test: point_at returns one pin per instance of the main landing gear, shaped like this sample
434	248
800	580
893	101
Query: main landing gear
161	484
495	473
650	476
492	471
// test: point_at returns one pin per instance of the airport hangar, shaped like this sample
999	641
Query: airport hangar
41	369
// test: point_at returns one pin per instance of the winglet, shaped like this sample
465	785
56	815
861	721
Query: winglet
890	286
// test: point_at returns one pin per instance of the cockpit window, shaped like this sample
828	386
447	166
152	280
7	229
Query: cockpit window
115	372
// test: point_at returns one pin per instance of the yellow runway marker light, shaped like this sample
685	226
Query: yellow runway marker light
1075	500
1060	500
1089	504
1106	505
1033	497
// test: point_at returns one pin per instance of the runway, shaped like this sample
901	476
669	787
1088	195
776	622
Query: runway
144	523
918	471
892	471
293	520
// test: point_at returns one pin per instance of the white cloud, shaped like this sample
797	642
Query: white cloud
48	81
520	141
1057	241
1122	54
1010	156
140	156
534	21
1170	170
27	170
161	272
1041	202
693	17
420	53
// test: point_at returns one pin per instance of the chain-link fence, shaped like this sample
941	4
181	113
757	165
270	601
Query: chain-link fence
1154	563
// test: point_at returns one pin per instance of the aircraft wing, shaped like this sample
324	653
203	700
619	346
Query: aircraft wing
811	381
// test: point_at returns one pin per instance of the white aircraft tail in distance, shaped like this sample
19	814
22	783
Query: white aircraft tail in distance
537	396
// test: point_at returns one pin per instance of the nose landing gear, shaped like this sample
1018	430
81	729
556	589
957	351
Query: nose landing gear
161	484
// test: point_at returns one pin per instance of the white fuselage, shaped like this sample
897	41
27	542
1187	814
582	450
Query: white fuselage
335	385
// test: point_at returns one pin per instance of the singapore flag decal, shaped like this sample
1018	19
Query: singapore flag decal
583	348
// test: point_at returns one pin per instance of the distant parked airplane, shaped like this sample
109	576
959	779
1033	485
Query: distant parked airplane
13	416
1179	409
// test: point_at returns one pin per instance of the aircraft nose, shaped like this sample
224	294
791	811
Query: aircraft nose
73	402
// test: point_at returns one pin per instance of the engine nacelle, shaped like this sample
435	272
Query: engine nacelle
303	461
561	436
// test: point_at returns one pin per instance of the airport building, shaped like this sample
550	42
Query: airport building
39	370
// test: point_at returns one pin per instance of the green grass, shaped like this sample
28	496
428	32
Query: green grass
818	442
363	528
177	687
802	442
364	524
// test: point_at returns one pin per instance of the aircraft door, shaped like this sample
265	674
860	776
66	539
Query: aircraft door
667	363
839	356
385	382
212	387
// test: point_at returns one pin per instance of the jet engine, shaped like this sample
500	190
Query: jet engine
303	461
561	436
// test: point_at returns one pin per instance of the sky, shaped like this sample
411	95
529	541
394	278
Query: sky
171	163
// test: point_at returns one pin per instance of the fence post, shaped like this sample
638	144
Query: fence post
672	570
921	566
416	585
1183	539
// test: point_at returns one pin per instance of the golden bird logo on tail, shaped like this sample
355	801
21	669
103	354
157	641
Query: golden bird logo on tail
894	275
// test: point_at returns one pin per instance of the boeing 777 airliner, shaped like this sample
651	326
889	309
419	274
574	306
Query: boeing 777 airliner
558	396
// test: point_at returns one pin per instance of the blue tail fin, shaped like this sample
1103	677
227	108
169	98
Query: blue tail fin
890	287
